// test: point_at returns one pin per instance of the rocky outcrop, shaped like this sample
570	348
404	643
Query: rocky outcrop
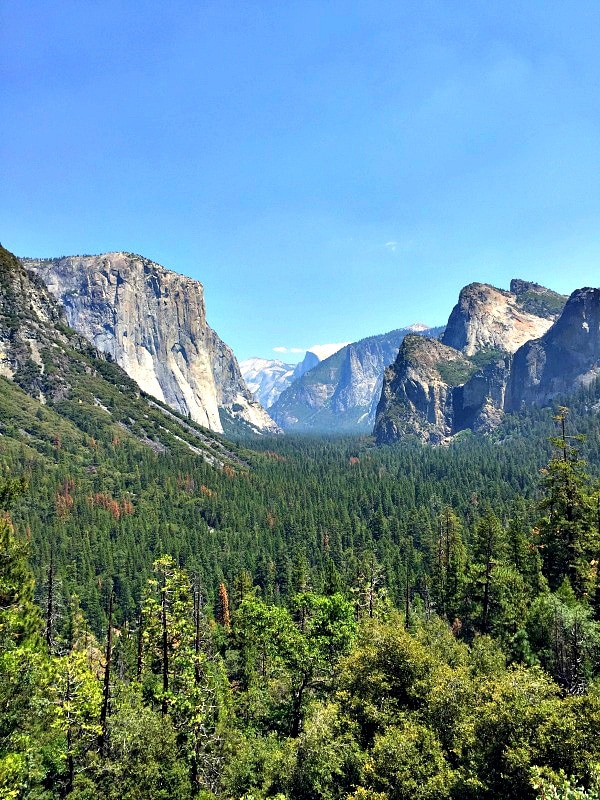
417	396
478	404
152	322
565	358
419	399
341	393
490	319
29	324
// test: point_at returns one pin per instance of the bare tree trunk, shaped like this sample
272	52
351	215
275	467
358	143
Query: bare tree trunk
139	645
165	651
106	687
50	604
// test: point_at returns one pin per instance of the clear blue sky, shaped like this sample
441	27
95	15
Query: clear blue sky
328	170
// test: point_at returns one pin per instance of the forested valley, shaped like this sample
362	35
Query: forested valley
313	619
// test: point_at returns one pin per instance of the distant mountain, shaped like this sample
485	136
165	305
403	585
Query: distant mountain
316	354
501	350
340	394
268	378
152	322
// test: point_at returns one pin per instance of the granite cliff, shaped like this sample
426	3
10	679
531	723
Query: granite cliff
565	358
511	357
57	391
417	397
487	318
340	394
152	322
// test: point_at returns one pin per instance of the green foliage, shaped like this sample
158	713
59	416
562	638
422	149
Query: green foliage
455	373
323	762
559	787
381	676
566	638
405	622
180	673
543	304
489	355
144	759
408	763
569	531
449	569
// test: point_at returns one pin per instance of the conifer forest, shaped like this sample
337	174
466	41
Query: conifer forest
316	619
300	400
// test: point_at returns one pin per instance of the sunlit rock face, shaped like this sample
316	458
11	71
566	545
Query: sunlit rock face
501	350
434	391
486	318
340	394
153	323
565	358
417	394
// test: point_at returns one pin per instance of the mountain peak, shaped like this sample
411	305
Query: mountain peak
323	351
488	318
519	286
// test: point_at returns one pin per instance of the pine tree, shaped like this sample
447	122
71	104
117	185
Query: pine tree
181	672
448	576
25	719
568	531
487	553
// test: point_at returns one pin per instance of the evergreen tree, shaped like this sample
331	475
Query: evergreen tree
448	576
184	679
569	537
488	554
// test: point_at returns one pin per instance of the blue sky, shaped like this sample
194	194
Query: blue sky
328	170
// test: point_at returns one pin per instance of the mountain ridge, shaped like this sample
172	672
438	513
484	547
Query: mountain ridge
564	357
152	322
340	394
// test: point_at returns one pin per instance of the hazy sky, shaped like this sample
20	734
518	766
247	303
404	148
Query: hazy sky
328	170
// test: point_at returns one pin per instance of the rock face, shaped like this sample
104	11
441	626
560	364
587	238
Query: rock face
340	394
486	318
566	357
152	322
417	396
29	324
431	394
41	356
479	403
268	378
